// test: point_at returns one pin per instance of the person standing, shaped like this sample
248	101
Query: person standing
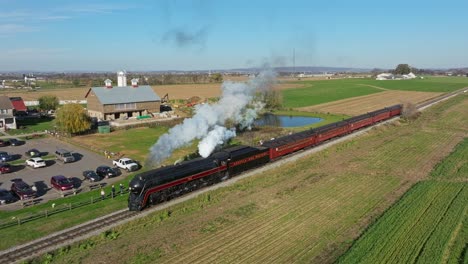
113	190
103	194
121	188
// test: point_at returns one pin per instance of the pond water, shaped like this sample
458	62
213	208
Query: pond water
285	120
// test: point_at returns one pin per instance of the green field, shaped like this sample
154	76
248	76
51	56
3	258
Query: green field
324	91
428	225
318	92
310	210
424	227
454	167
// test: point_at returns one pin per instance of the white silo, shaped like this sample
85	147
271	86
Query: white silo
121	78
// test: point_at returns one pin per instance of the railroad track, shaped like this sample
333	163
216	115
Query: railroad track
437	99
54	241
46	244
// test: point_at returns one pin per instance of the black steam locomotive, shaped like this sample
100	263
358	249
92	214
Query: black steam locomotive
162	184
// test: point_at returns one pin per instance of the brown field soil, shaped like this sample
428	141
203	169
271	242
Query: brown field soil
306	211
367	103
176	91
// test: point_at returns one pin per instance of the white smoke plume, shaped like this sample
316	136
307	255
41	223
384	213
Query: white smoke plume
236	104
217	136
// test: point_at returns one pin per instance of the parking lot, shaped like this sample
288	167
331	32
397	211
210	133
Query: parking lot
40	177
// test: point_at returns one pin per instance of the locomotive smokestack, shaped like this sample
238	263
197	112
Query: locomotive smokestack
236	104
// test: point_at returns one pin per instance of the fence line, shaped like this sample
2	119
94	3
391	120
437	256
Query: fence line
15	221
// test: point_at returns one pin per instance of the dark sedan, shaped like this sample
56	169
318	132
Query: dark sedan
6	196
4	143
22	189
106	171
15	142
61	183
91	176
32	153
4	156
5	168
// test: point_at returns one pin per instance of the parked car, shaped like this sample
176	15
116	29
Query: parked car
64	155
22	189
61	183
91	176
36	162
5	168
15	142
126	164
4	143
4	156
6	197
106	171
33	153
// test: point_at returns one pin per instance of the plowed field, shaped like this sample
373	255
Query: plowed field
367	103
176	91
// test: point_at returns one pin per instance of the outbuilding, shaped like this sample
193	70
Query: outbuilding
7	120
122	102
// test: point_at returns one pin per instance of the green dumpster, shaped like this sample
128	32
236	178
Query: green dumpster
104	129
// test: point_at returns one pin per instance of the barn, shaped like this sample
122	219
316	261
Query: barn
122	102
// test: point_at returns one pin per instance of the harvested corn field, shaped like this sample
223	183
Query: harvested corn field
367	103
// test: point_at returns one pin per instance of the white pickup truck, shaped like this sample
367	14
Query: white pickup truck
126	164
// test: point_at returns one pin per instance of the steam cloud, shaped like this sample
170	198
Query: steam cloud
217	136
236	104
183	38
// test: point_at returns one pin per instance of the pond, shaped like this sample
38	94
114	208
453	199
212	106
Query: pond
285	120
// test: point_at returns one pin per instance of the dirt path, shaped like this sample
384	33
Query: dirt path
373	86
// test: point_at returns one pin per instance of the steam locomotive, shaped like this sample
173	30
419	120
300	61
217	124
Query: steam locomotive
162	184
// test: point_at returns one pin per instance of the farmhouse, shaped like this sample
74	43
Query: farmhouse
7	120
122	102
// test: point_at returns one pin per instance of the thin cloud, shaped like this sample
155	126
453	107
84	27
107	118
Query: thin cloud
15	28
15	15
54	18
95	8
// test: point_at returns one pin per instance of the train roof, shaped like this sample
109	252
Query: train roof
288	138
241	150
170	168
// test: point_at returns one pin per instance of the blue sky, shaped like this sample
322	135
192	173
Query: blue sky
189	35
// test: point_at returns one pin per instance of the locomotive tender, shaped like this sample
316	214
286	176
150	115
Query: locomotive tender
159	185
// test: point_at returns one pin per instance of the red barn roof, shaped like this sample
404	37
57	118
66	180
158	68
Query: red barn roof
18	104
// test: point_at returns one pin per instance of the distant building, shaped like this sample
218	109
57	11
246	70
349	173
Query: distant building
305	75
409	76
29	78
385	76
7	120
390	76
122	102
